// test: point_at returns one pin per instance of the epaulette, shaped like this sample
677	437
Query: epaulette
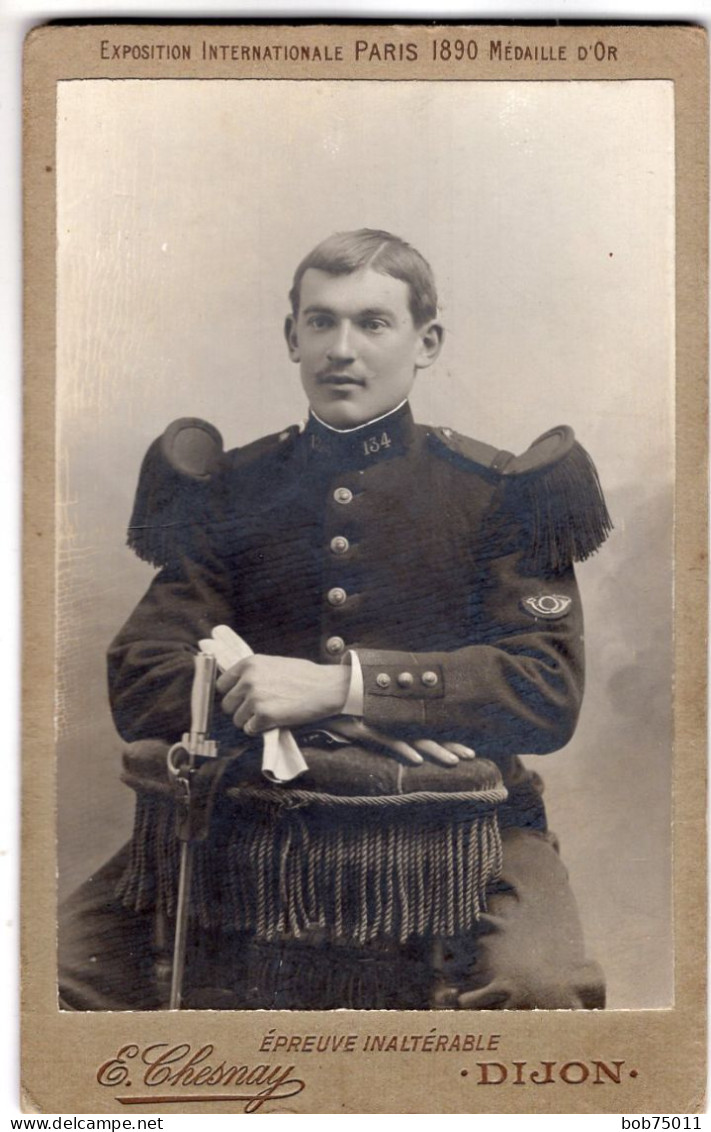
551	496
181	474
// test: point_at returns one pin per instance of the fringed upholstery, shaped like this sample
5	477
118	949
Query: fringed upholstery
281	864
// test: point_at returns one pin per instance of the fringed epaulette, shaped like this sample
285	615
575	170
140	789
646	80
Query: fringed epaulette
554	491
183	485
176	480
552	496
551	503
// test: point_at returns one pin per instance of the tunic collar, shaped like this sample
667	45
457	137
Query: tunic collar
381	439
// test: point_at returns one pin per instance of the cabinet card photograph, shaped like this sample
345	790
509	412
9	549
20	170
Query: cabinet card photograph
365	553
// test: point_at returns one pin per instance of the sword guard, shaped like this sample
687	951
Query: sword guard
180	773
198	745
194	788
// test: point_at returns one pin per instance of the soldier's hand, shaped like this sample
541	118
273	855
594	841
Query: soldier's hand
415	752
262	692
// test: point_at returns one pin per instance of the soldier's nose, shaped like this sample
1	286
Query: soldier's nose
341	347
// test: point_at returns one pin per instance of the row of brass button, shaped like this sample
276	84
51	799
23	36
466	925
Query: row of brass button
337	595
406	679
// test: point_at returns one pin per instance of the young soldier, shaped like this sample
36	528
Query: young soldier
406	591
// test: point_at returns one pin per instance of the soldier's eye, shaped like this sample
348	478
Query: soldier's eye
374	324
318	321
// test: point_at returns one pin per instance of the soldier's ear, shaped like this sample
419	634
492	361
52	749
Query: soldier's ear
431	338
292	340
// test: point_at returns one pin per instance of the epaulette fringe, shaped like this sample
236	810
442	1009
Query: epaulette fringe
562	510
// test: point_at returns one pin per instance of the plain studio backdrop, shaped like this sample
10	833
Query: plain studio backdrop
546	211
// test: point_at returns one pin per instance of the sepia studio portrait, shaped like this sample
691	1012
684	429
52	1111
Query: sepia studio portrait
365	466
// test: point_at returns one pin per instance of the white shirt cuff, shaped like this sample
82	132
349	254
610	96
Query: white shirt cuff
356	688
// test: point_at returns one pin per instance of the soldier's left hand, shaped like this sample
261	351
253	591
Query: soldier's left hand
415	751
262	692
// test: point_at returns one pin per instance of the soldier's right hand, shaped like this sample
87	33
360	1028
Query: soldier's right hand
444	753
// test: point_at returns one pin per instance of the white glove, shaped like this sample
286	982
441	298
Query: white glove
282	759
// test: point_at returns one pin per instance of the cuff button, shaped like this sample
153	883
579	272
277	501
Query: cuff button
429	679
406	679
383	680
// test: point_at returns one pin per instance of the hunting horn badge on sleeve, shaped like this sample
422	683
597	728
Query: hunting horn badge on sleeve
549	606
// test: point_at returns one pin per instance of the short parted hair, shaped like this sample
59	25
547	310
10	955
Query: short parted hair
346	252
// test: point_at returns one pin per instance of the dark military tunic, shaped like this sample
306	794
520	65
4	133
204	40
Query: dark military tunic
404	543
447	567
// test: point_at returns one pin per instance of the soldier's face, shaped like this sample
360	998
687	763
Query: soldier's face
356	344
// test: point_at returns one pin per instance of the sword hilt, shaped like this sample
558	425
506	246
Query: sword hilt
196	740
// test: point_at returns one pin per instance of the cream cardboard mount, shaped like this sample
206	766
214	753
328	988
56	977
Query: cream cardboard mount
555	178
